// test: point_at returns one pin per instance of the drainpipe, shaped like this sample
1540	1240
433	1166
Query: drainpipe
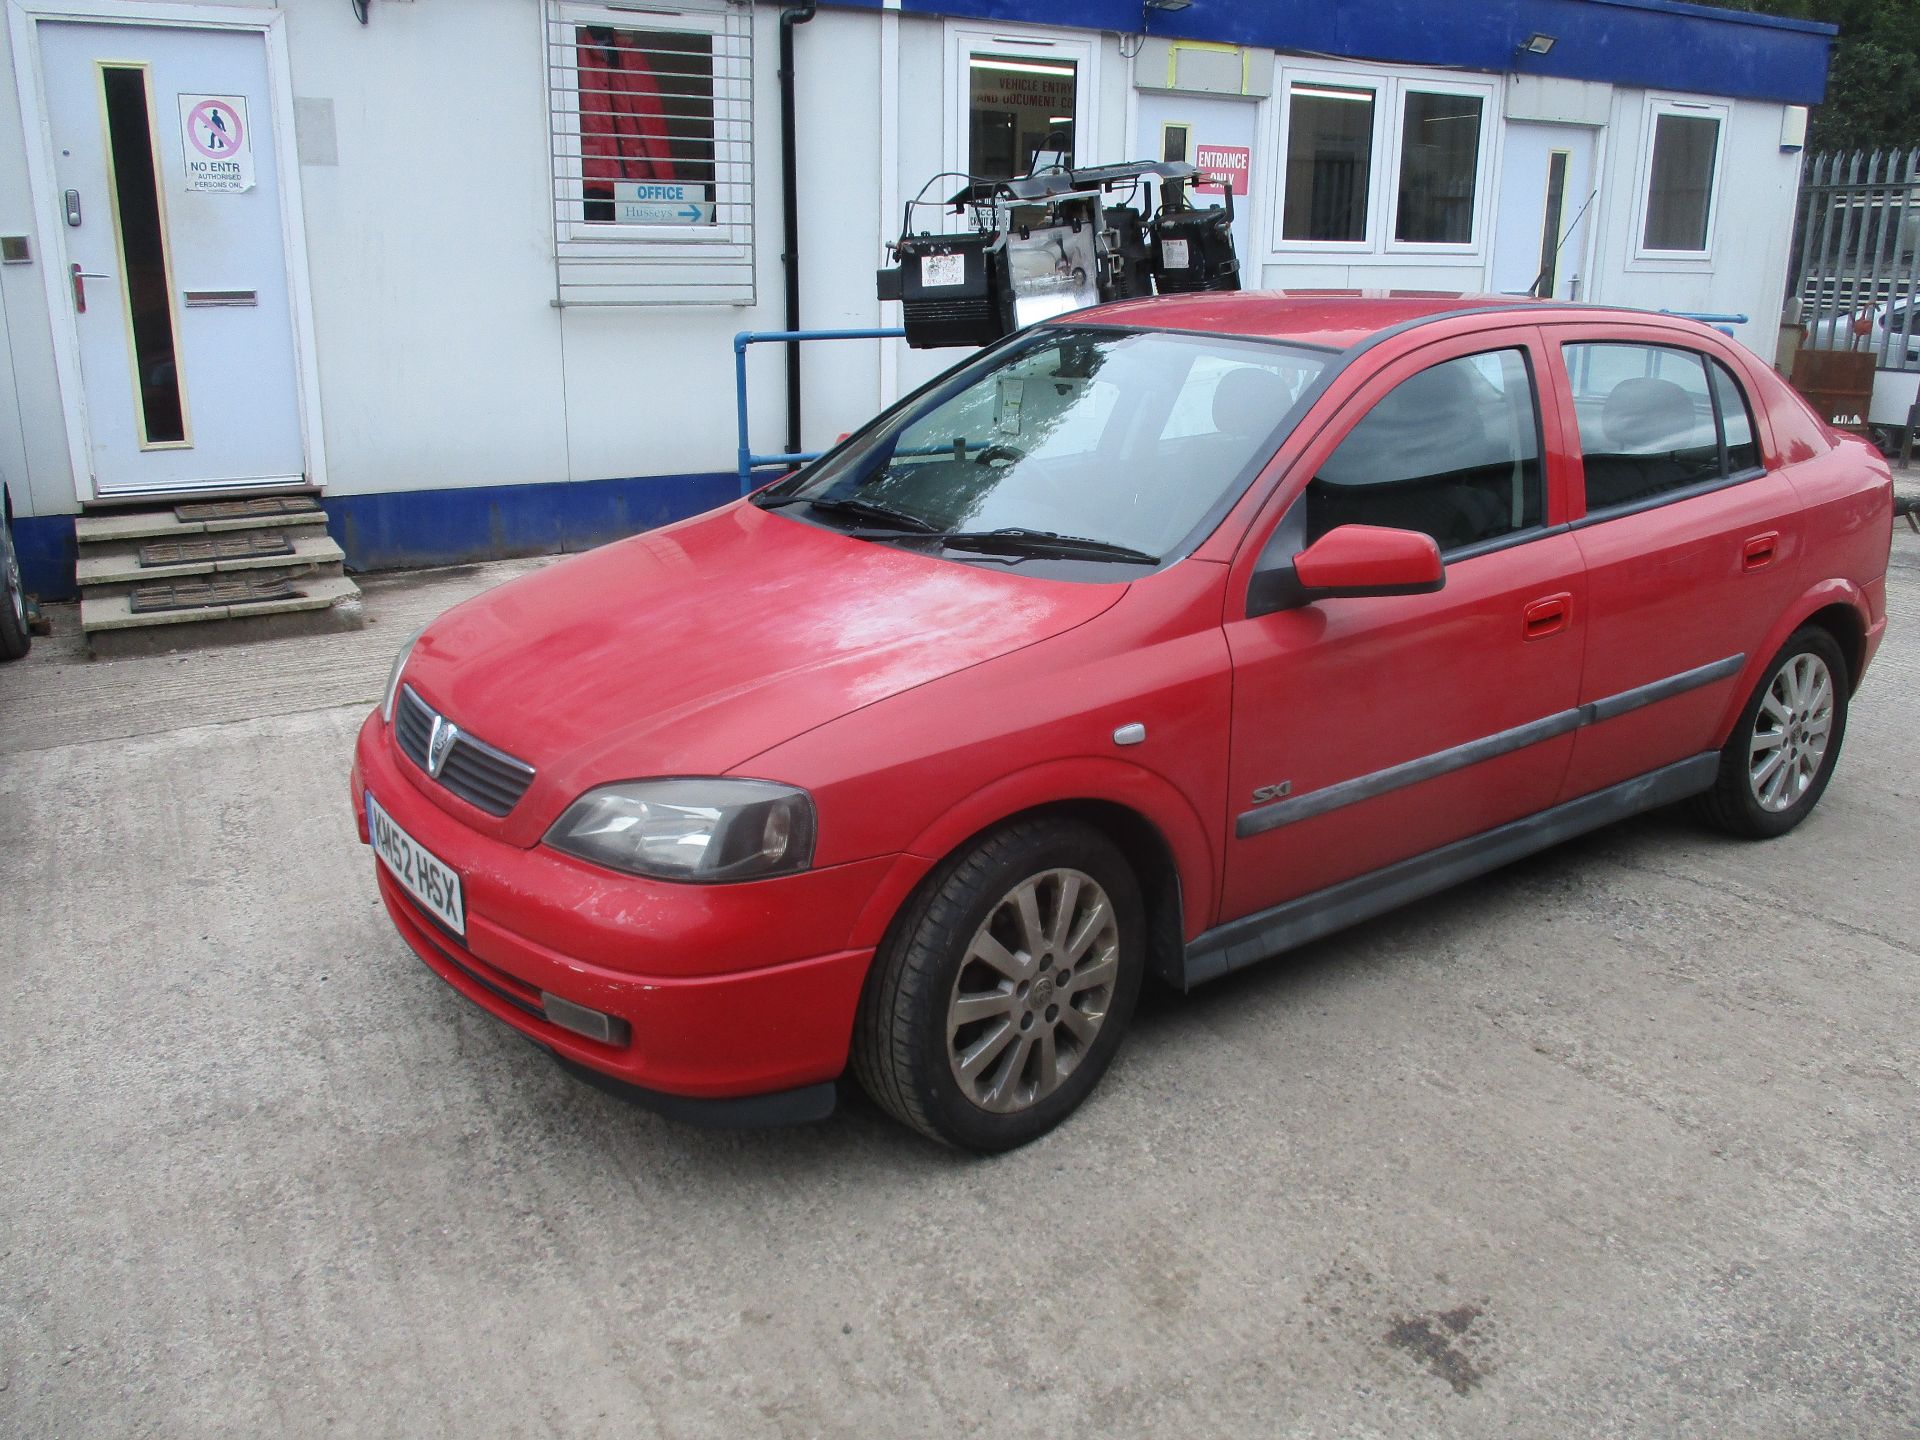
790	213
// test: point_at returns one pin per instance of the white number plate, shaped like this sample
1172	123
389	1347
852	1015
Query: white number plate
421	875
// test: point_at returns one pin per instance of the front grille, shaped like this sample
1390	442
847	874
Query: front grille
489	779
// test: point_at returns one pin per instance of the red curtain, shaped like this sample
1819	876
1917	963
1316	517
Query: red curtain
623	126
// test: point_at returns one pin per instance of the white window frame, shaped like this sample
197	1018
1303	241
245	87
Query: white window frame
1477	231
1390	89
1652	109
1018	42
1290	80
657	258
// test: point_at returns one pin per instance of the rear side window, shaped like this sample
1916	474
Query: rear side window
1655	419
1453	452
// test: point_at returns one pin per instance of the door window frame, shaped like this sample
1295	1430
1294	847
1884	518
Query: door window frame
1558	337
24	18
1314	440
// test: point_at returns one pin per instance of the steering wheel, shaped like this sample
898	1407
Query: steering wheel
999	455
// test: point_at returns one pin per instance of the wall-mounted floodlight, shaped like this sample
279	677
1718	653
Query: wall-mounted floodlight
1167	5
1536	44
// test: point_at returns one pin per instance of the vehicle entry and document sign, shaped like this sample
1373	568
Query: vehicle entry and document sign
217	146
660	202
421	874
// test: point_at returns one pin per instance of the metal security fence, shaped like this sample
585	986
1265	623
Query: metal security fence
1857	255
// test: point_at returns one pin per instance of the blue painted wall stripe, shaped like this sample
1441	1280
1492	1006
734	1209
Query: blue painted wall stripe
1656	44
412	528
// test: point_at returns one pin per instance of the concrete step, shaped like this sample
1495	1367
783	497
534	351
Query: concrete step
323	603
117	527
120	564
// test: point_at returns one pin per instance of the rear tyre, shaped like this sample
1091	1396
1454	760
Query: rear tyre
1782	751
15	638
1003	990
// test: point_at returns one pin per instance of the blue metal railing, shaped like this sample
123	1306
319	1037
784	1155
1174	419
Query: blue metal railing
748	461
1723	323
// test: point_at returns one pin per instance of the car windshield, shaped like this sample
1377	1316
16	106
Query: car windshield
1125	438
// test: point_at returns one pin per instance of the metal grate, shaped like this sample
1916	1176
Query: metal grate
1857	269
651	119
489	779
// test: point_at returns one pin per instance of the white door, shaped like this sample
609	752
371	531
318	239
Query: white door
1545	212
169	190
1214	134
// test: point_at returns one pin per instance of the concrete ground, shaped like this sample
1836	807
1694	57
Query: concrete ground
1623	1140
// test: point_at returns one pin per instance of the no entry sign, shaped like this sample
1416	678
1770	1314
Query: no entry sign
1234	160
216	142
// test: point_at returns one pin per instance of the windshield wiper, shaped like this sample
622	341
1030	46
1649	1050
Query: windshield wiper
857	509
1012	540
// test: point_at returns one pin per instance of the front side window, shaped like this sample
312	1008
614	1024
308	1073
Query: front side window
1019	111
1128	439
1453	452
1439	165
1680	182
1650	424
1329	163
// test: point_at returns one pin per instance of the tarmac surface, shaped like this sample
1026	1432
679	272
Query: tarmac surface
1622	1140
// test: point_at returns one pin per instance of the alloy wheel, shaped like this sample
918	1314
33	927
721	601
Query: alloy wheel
1790	732
1032	990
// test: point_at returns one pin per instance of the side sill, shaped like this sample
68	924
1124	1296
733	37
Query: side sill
1296	922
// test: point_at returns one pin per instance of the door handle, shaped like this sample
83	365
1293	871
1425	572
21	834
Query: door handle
80	278
1546	616
1760	550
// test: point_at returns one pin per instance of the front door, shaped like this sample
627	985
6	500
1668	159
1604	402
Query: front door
1547	204
175	258
1369	730
1216	135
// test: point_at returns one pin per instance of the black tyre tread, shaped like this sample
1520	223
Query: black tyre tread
1726	805
909	962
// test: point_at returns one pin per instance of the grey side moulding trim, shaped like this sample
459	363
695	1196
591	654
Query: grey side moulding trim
1487	747
1296	922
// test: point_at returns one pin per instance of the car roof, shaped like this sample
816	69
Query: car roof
1334	319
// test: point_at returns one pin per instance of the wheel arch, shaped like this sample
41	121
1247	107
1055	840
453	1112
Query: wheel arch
1151	824
1836	606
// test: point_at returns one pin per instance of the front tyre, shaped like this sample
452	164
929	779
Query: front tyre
1782	751
1002	992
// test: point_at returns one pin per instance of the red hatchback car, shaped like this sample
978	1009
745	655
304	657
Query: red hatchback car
1159	638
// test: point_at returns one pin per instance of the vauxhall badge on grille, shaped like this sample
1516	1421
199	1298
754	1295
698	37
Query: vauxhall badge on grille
445	732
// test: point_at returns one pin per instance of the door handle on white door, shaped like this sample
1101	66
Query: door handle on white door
80	277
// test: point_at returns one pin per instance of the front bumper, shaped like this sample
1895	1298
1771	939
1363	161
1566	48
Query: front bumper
727	991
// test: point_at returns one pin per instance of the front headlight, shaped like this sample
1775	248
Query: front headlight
393	675
702	830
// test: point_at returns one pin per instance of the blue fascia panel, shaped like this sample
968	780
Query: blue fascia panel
1656	44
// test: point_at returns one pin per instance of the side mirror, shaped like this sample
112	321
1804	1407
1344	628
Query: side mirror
1370	560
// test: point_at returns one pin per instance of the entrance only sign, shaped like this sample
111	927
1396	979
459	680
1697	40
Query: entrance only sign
1234	160
217	143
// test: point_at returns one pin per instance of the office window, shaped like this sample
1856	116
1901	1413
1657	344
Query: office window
1329	162
1439	166
1680	182
651	121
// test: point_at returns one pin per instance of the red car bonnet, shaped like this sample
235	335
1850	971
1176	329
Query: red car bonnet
689	650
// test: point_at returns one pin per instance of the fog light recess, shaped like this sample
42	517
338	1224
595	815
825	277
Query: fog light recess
607	1029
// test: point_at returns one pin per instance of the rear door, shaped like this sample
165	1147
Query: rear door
1368	730
1692	546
